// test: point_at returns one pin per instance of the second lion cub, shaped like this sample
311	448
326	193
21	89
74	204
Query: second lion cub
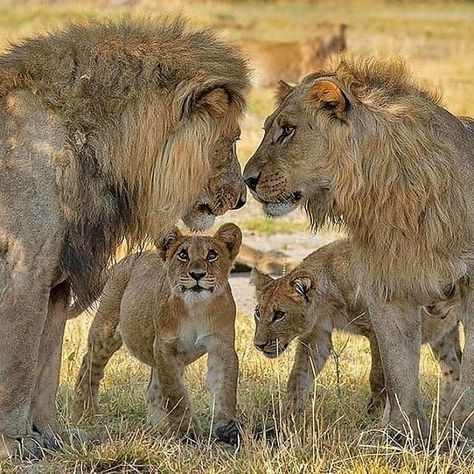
169	310
319	296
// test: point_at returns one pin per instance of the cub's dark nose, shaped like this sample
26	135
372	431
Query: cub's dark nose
260	345
252	181
241	202
197	275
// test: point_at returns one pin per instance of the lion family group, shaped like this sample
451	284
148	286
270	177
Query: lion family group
114	132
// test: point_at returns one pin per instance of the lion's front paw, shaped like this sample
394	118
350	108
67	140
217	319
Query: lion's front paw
28	448
228	432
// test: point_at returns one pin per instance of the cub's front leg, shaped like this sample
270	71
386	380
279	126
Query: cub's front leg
311	355
168	377
222	375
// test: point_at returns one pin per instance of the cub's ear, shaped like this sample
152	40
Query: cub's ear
282	90
214	102
169	241
231	236
303	285
327	95
259	279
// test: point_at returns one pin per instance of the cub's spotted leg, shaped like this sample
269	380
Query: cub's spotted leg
376	378
154	399
398	332
169	372
103	341
445	349
311	355
222	375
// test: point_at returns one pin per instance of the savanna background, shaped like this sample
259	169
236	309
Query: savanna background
436	39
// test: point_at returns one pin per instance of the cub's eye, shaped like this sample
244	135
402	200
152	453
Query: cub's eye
286	131
257	314
212	256
278	316
183	255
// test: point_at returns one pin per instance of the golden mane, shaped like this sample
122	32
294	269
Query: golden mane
397	184
134	158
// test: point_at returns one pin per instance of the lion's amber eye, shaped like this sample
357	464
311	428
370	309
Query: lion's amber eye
278	316
256	314
286	131
183	255
212	256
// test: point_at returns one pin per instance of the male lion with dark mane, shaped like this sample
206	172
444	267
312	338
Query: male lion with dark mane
363	144
108	131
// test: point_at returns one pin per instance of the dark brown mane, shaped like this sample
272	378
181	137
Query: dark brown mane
121	90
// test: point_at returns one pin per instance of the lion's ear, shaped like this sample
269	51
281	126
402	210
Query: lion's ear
171	238
282	90
231	236
214	102
327	95
303	285
259	279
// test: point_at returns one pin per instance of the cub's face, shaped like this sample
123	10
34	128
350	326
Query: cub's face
441	309
282	310
293	165
198	266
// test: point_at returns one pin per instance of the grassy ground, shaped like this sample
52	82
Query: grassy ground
436	39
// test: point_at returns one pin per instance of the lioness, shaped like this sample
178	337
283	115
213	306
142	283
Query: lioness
364	145
290	61
169	309
108	132
321	295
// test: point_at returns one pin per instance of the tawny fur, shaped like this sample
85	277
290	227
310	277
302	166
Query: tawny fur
364	145
132	159
144	305
107	133
321	295
273	262
273	61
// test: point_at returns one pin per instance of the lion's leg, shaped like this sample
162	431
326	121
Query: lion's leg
462	401
23	310
169	371
154	399
398	331
222	375
445	350
103	341
376	378
311	355
43	405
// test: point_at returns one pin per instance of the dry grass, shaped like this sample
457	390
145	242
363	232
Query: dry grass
436	39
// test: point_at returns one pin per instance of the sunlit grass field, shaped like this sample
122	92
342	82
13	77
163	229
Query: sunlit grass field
437	41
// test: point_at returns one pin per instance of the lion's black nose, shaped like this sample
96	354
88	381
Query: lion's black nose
252	181
260	345
197	275
241	202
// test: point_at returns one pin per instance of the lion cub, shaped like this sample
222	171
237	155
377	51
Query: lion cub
169	309
319	296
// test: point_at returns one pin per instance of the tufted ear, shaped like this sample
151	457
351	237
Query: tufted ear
231	236
327	95
259	279
303	285
214	102
169	241
282	90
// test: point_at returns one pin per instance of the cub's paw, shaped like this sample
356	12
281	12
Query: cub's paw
228	432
